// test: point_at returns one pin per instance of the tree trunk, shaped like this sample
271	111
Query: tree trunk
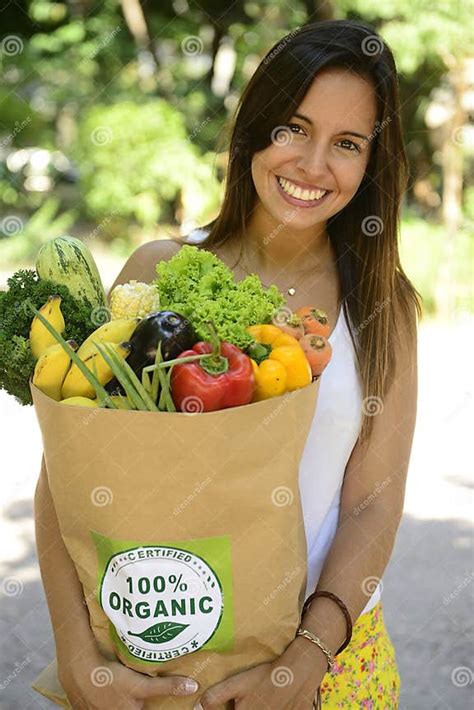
452	165
318	11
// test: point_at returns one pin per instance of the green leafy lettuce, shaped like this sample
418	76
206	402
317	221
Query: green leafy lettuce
199	286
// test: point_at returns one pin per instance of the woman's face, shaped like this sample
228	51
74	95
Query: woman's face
322	153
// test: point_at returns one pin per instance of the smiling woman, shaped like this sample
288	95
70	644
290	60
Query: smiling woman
315	181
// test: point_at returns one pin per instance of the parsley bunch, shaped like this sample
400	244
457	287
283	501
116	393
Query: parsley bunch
17	363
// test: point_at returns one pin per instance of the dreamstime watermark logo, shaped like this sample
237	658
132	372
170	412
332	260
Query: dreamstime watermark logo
282	586
100	227
378	309
452	595
281	45
11	587
11	226
372	405
100	315
199	666
102	496
369	585
192	405
199	129
89	597
462	676
378	128
281	316
457	136
12	45
105	41
192	45
101	676
26	307
90	416
281	136
101	135
19	126
372	225
197	489
370	499
372	45
282	496
288	217
282	676
285	398
19	667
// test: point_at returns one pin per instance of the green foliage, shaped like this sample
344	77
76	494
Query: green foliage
418	32
422	251
136	159
43	225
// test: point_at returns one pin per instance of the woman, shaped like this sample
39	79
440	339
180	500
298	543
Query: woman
322	114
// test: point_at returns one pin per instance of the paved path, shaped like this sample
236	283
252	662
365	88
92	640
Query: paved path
428	585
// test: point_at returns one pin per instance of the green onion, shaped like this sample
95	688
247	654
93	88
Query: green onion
166	400
125	367
122	375
155	382
146	382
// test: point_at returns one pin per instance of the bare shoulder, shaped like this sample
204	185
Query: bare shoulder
141	264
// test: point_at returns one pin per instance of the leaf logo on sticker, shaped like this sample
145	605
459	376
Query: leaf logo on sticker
164	602
161	632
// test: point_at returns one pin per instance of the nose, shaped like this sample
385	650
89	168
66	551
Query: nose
312	163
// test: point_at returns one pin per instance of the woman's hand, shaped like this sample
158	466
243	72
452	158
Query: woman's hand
288	683
91	682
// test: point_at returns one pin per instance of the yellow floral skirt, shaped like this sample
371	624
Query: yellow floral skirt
365	674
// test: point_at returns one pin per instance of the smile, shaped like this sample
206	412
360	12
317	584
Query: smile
296	195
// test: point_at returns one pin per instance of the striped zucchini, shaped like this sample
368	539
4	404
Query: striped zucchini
68	261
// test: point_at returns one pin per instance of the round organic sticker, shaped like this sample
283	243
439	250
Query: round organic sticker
163	601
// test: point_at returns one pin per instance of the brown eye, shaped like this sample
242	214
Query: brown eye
354	148
294	125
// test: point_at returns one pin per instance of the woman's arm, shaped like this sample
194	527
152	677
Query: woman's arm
63	590
371	509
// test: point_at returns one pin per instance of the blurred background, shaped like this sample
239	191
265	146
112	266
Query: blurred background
112	129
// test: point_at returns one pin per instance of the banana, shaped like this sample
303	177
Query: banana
40	337
51	369
80	401
76	385
115	331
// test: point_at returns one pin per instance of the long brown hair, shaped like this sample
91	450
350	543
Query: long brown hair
365	233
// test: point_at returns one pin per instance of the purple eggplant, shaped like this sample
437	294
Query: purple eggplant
172	330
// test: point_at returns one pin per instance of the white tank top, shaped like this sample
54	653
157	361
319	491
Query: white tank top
332	436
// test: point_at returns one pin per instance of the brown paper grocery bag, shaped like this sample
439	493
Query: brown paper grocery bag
186	531
47	683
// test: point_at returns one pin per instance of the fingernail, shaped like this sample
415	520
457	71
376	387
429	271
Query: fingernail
191	686
198	706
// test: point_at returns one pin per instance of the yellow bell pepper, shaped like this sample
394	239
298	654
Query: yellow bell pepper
284	366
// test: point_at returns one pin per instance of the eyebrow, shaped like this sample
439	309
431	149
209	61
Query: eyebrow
341	133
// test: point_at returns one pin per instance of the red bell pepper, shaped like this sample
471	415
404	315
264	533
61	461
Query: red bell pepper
224	379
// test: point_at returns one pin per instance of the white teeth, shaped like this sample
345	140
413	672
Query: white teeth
295	191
